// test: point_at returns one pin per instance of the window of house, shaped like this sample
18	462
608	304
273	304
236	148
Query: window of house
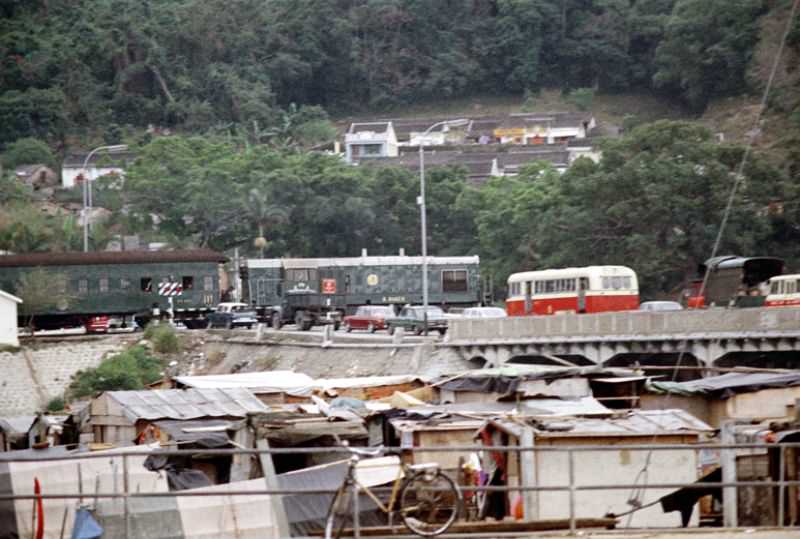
187	282
208	283
370	149
83	287
103	283
454	280
146	284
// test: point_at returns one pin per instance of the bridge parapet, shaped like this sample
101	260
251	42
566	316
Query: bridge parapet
641	323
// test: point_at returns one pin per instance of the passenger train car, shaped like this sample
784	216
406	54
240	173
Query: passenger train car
91	289
367	280
591	289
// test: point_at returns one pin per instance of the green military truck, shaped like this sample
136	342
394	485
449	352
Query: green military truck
313	291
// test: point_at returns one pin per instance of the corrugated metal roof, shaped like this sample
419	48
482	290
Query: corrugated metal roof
634	423
17	425
359	261
260	382
111	257
187	403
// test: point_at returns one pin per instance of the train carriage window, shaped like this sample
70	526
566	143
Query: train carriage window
83	287
103	284
774	288
187	282
583	283
208	283
124	283
146	284
454	280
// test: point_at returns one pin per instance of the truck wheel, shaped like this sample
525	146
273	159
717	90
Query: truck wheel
276	321
229	324
299	318
336	326
419	331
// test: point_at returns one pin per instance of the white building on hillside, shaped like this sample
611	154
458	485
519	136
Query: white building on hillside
370	140
8	319
99	165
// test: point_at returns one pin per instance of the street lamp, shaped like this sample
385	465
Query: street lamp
447	124
87	188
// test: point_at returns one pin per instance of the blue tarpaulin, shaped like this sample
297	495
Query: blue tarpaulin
86	527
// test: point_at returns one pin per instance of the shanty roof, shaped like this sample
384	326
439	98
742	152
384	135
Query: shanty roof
728	384
258	382
9	297
186	403
110	257
632	423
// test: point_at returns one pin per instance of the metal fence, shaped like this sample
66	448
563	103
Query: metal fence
729	487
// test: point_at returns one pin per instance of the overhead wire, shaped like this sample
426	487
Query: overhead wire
637	493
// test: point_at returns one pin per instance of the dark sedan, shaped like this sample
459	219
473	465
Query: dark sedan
412	318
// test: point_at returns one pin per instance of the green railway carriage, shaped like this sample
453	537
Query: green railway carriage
122	285
354	281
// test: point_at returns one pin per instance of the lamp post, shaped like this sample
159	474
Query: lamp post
423	217
87	188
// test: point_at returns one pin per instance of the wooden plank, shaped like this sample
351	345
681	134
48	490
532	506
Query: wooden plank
505	526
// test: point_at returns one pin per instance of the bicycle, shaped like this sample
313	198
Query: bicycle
427	500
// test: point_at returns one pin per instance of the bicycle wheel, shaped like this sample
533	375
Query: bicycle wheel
429	503
340	513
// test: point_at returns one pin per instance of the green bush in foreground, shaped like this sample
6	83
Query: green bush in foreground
56	404
163	337
132	369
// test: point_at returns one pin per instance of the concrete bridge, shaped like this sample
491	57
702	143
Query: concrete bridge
702	337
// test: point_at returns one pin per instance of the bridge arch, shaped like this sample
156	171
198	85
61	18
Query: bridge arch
663	364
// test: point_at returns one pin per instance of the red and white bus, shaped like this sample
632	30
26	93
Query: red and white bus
593	289
784	291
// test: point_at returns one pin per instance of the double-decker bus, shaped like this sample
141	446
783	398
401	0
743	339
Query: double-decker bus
592	289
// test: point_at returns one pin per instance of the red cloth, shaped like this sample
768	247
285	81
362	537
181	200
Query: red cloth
37	490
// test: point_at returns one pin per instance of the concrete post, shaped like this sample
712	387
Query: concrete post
730	515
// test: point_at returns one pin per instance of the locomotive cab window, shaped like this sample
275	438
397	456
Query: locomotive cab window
187	282
146	284
454	280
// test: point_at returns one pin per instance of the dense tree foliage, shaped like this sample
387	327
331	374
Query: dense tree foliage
220	65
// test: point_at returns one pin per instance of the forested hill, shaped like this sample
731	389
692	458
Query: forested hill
201	64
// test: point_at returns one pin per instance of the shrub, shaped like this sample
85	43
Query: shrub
131	369
56	404
581	98
163	337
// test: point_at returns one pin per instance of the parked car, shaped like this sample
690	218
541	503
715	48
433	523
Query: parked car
484	312
230	315
412	318
660	306
369	317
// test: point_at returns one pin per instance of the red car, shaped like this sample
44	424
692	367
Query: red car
369	317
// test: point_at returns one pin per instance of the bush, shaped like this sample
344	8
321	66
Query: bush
28	151
163	337
56	404
132	369
581	98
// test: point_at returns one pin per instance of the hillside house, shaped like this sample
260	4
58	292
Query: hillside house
544	128
99	165
370	140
